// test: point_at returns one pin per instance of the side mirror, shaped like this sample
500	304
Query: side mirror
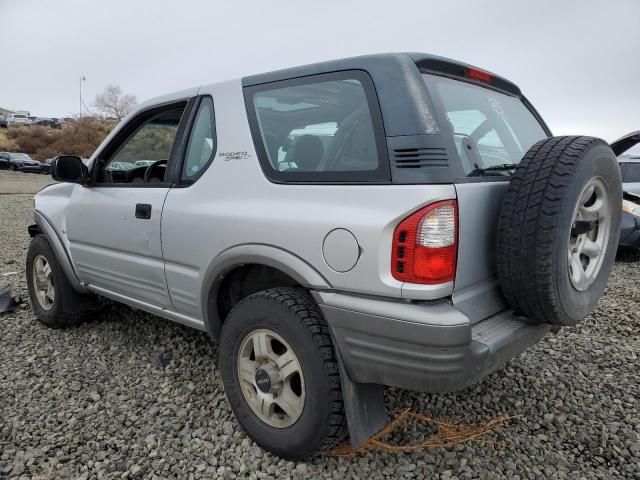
69	168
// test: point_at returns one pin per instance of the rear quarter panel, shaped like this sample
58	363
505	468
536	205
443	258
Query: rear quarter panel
233	203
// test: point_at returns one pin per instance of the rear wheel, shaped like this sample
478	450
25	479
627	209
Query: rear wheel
559	227
280	373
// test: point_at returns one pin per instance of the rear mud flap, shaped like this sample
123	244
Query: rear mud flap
363	406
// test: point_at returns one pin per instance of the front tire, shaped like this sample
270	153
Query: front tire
53	299
281	375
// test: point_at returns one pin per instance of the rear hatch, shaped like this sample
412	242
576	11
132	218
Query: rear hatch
489	129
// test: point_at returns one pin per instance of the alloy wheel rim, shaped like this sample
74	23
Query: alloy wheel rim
43	282
271	379
589	236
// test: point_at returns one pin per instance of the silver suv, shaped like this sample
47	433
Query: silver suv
396	219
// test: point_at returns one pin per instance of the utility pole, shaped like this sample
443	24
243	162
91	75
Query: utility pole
82	79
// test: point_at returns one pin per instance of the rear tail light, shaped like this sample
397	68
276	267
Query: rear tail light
425	245
477	74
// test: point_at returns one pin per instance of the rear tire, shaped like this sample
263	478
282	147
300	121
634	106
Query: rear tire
556	240
53	299
296	331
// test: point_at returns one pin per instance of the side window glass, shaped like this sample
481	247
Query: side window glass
202	141
320	128
150	144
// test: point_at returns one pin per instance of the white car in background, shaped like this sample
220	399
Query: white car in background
18	119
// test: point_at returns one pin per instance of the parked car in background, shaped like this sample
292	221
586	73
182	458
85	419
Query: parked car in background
18	161
630	223
46	165
143	163
35	166
31	119
121	166
18	119
630	170
46	122
4	123
5	160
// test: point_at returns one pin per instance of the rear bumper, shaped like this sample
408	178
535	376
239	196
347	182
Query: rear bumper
430	347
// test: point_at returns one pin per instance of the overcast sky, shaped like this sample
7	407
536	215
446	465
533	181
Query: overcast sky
577	61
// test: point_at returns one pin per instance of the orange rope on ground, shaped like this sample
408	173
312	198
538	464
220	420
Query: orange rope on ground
447	435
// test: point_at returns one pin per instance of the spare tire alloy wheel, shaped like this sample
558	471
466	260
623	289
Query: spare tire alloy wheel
558	229
271	378
43	282
589	234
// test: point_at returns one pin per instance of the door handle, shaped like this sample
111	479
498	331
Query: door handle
143	211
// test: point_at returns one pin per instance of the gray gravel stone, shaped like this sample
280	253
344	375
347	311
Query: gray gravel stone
128	395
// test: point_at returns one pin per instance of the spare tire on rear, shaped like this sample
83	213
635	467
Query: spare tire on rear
558	229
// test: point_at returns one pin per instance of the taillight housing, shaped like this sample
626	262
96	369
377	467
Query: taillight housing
477	74
425	245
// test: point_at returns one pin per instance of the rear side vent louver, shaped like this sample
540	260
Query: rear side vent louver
420	157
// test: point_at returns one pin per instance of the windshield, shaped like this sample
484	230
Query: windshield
490	129
21	156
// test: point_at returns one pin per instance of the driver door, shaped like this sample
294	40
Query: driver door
113	226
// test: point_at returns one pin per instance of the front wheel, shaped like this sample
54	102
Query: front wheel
54	301
281	375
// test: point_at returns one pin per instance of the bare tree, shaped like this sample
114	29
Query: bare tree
113	103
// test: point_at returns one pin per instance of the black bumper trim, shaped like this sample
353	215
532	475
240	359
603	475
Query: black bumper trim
425	357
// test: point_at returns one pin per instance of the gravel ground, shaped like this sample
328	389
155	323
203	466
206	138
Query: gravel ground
129	395
19	182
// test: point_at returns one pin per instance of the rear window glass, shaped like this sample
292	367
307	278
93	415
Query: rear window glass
631	173
489	128
320	128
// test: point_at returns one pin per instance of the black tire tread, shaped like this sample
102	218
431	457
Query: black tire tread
529	215
65	293
302	305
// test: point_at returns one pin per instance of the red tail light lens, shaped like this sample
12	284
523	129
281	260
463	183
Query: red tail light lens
425	245
477	74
